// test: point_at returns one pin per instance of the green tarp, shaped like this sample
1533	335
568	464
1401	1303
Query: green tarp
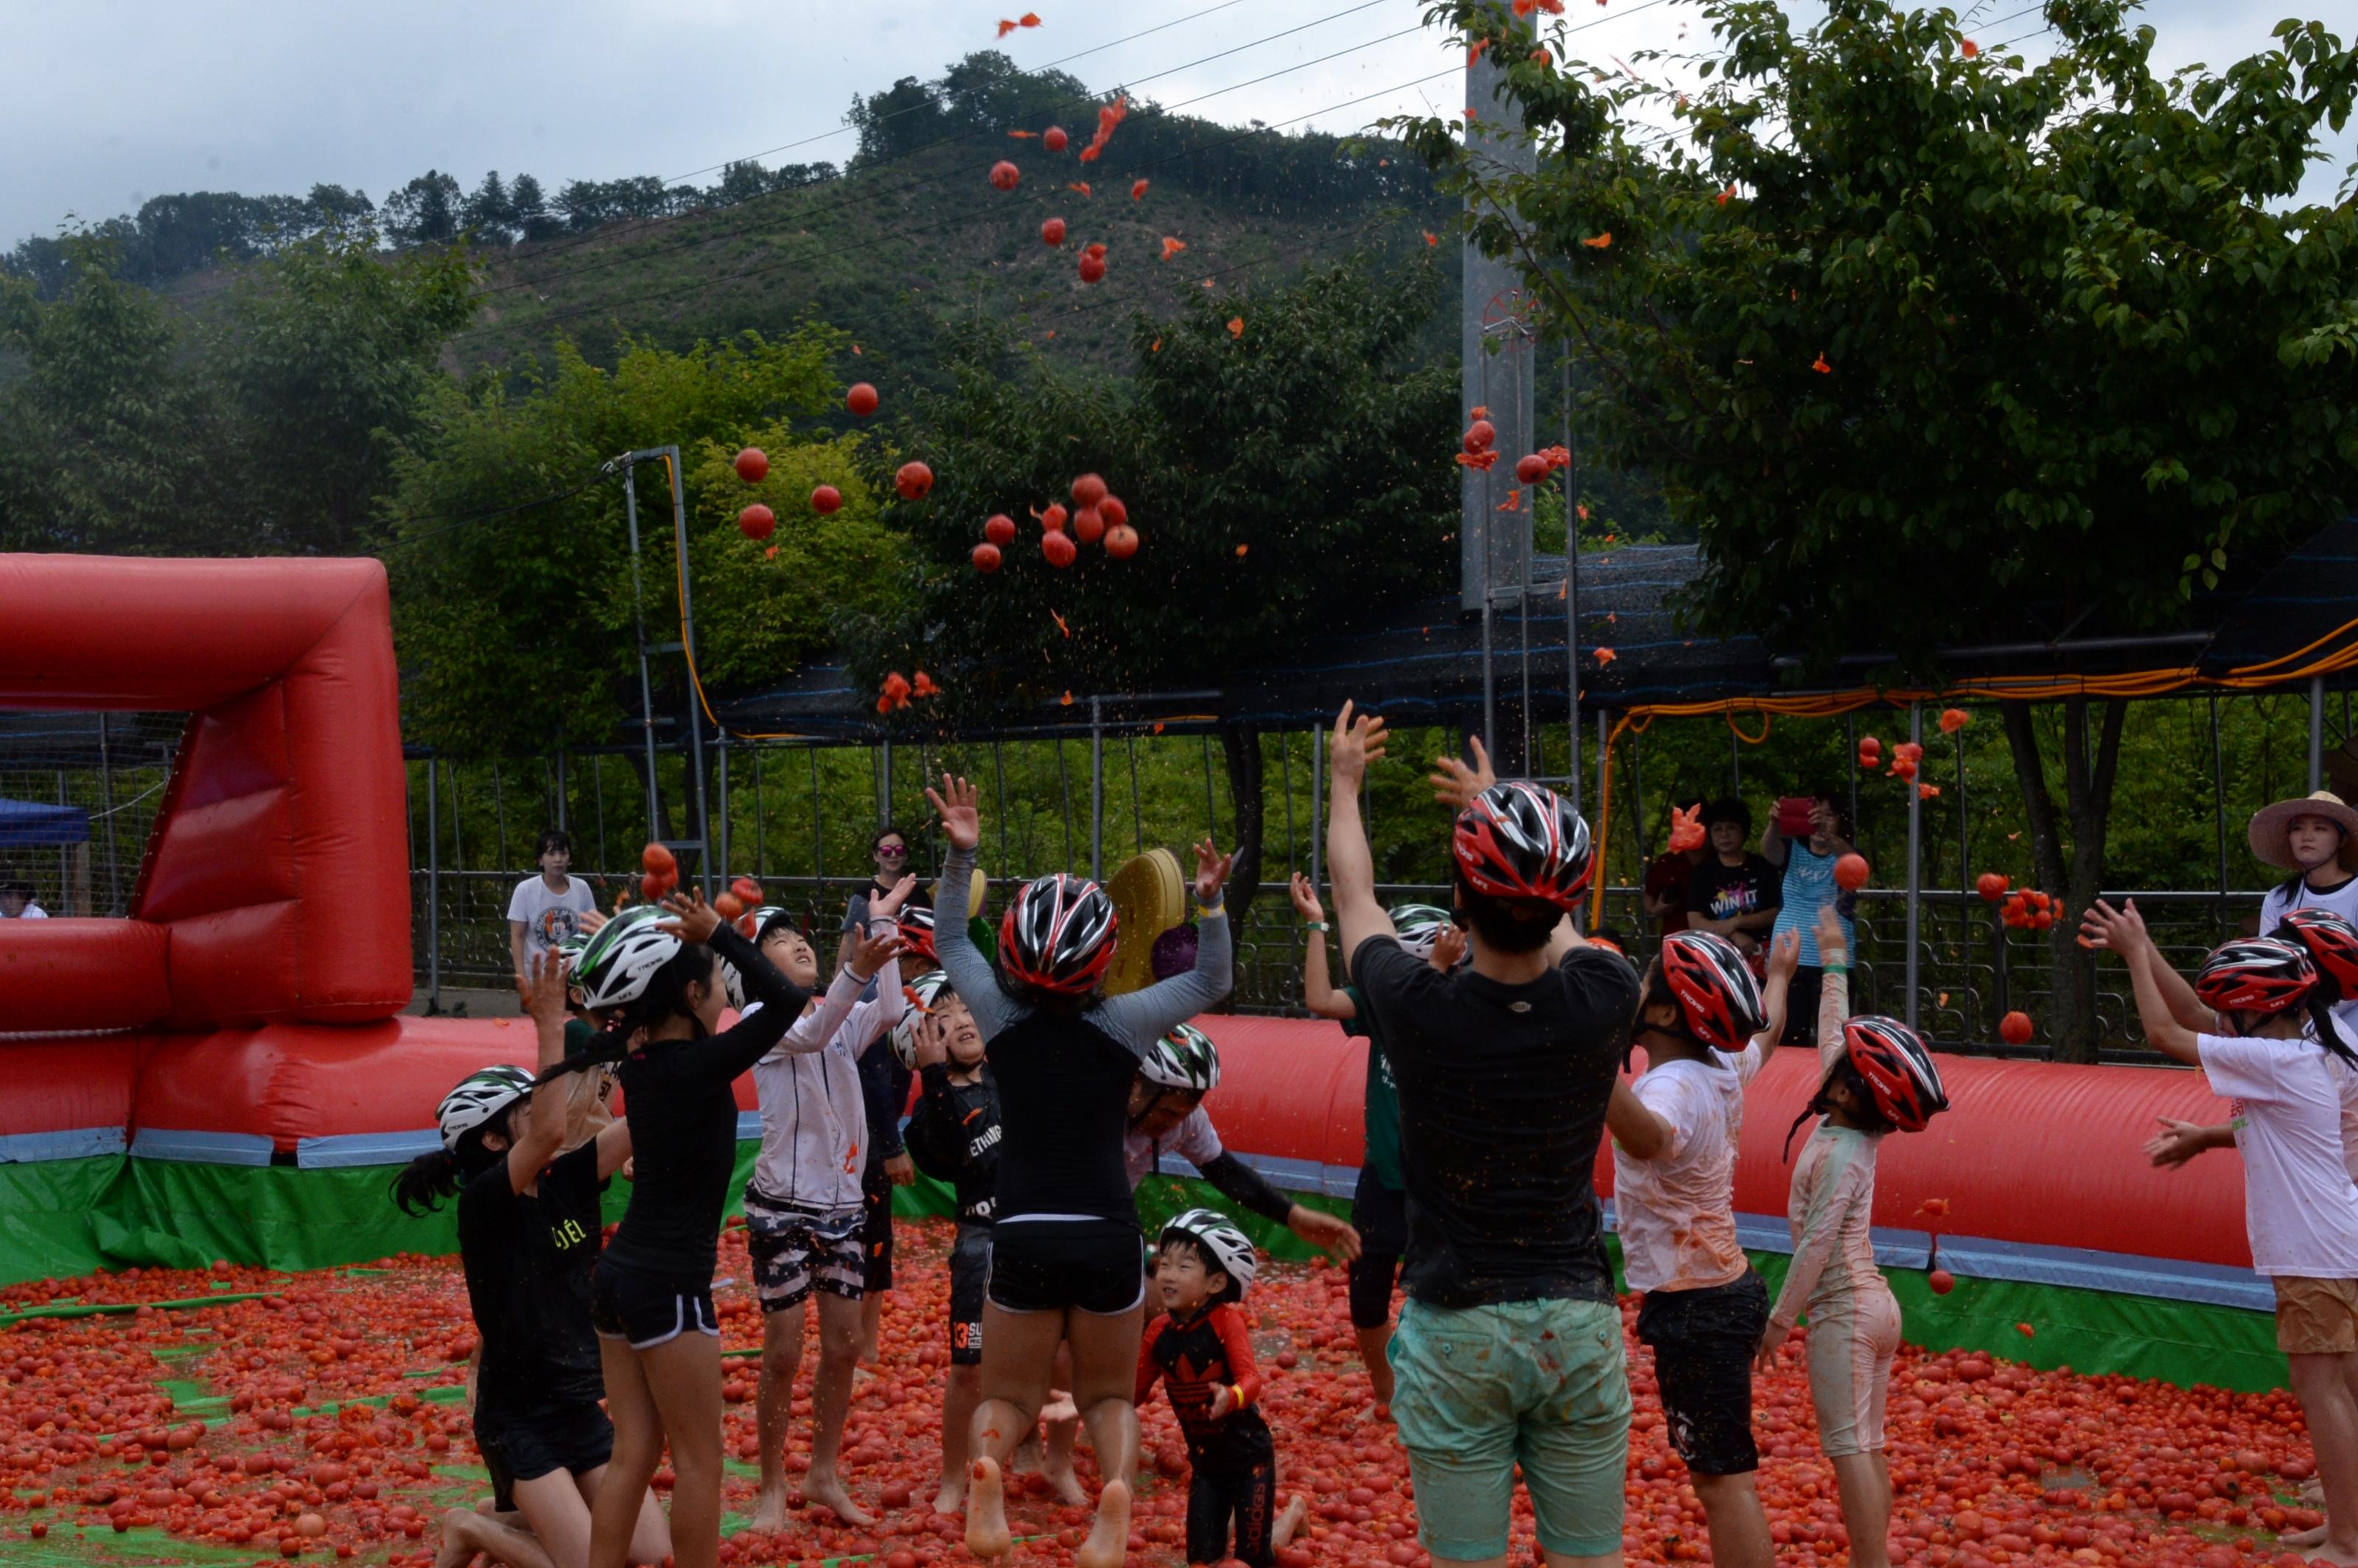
65	1217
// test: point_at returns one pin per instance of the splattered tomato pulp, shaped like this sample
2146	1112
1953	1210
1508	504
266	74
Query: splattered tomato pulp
322	1416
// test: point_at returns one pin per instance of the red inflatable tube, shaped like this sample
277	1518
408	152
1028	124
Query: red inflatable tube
61	975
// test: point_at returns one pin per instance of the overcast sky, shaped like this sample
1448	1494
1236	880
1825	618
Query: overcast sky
111	101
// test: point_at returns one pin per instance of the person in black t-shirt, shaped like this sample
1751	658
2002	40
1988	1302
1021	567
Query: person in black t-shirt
528	1229
1734	892
1509	1350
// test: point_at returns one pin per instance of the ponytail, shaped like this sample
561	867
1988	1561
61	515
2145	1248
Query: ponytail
2329	1032
1843	1075
419	1188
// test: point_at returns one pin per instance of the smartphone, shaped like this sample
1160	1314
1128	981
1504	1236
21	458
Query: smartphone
1793	817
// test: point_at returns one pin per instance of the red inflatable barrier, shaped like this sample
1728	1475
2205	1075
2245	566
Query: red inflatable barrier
67	1085
60	975
277	869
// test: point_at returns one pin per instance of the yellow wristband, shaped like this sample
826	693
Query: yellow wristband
1237	1392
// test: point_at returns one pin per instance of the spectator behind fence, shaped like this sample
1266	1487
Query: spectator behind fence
1808	887
892	847
548	908
16	902
1733	892
1667	877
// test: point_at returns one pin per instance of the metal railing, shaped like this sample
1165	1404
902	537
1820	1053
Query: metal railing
1972	969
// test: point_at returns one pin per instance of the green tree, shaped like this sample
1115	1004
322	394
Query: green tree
424	212
1283	456
1889	314
515	614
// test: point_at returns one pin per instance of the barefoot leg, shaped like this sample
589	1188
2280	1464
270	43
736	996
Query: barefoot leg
1108	1542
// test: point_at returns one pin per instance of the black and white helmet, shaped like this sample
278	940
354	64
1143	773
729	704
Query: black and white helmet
922	993
1231	1248
624	956
1520	841
1419	925
479	1098
1185	1059
1058	934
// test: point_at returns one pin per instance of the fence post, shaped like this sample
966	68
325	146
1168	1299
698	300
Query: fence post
1915	866
433	888
1318	806
1096	789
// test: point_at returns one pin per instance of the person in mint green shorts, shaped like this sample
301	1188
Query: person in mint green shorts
1509	1354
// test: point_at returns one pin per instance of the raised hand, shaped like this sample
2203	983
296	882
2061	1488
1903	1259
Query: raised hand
1456	785
888	906
1319	1229
1834	947
544	997
1785	955
954	802
1448	948
1211	872
1359	739
1305	899
2122	930
693	920
871	954
2177	1142
932	1041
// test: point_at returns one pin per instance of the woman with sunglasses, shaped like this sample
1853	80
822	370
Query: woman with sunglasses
892	852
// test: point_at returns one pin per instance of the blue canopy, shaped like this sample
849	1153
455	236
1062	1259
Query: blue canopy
25	822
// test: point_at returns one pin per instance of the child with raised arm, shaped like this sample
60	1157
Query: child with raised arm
1380	1201
1065	1241
2271	1058
1200	1349
1878	1080
1707	1031
804	1212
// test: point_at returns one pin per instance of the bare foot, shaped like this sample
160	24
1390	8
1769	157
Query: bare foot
2301	1539
1108	1541
986	1512
1066	1485
1026	1458
952	1497
824	1488
1296	1510
770	1510
2341	1558
457	1548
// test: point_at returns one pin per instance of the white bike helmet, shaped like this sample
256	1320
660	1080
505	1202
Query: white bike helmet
1185	1059
1231	1248
624	956
479	1097
1420	925
923	991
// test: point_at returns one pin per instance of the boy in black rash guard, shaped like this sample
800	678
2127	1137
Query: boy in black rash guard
1201	1348
652	1297
528	1226
954	1138
1065	1249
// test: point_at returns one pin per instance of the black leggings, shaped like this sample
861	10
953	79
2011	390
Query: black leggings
1234	1479
1380	1215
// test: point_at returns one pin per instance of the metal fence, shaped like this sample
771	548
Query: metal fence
1972	969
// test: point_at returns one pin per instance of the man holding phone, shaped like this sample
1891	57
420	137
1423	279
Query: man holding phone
1807	837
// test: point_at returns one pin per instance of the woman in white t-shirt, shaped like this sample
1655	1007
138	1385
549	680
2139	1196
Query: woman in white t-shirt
2316	838
1707	1031
2300	1208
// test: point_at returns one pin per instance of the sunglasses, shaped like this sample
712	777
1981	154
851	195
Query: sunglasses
893	852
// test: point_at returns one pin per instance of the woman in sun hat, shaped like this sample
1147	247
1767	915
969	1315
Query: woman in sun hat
2316	838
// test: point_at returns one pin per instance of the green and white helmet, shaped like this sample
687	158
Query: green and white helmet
1231	1248
731	982
479	1097
923	991
570	949
624	956
1183	1059
760	917
1420	925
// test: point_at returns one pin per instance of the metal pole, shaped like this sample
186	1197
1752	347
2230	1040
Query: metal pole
722	741
1317	809
818	830
500	813
560	785
1851	721
884	779
1211	808
1572	585
1604	760
639	622
1735	764
597	788
2316	733
1096	789
1964	850
1285	755
2219	814
696	689
433	887
999	769
1915	869
1137	815
760	827
1065	794
1636	812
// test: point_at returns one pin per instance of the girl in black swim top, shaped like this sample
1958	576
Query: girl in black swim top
651	1300
1065	1260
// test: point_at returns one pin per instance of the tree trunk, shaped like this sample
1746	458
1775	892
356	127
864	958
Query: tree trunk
1240	744
2076	876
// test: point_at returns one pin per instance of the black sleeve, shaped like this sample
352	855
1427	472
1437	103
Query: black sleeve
1232	1178
735	1049
1701	885
575	1173
876	1065
1387	979
1605	985
934	1141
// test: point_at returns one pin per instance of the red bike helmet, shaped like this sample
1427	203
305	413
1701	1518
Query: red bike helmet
2330	941
1058	933
2255	974
1898	1071
917	930
1717	992
1520	841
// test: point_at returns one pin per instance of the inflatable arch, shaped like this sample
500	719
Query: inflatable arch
225	1074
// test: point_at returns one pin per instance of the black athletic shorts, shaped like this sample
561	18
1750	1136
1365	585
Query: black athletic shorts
572	1438
1049	1265
969	1277
1704	1342
1379	1214
1234	1479
647	1312
876	1233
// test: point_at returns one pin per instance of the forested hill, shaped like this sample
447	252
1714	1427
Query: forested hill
906	238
